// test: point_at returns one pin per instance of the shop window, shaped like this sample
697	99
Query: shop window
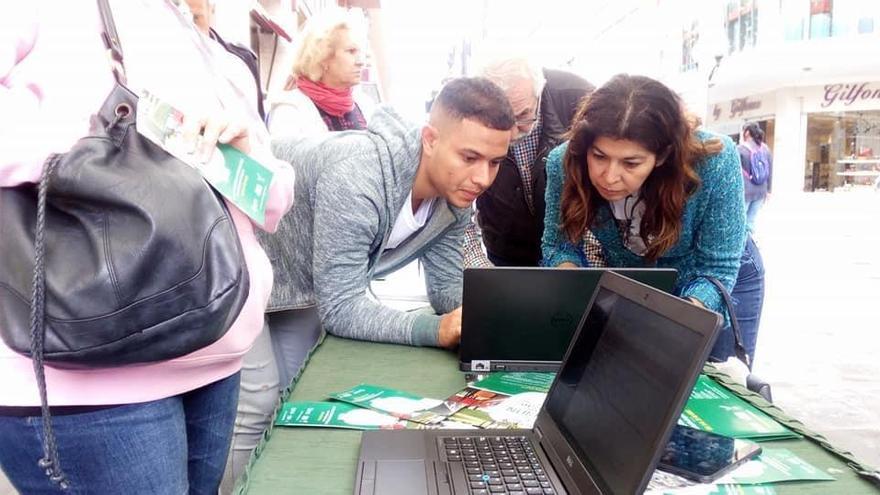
794	18
689	38
843	151
820	18
853	17
741	24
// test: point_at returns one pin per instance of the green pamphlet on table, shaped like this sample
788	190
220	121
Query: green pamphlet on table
712	407
487	409
398	403
336	415
752	478
513	383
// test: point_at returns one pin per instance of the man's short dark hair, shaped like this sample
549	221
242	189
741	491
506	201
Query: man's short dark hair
476	98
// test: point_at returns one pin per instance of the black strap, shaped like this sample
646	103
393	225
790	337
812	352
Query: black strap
739	348
49	462
111	41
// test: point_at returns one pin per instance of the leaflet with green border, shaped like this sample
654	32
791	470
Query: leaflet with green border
711	407
712	489
512	383
775	466
397	403
335	415
239	178
752	478
487	409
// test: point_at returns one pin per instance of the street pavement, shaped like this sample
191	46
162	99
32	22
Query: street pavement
819	342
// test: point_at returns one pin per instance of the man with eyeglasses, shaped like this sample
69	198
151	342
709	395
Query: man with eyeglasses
510	214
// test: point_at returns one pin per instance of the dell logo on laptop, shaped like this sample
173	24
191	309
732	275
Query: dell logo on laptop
569	461
561	319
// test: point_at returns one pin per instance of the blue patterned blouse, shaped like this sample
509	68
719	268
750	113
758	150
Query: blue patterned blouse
712	237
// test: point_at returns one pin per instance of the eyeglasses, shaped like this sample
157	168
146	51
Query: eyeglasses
523	121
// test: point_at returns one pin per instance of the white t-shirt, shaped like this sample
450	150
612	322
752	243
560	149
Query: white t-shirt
408	223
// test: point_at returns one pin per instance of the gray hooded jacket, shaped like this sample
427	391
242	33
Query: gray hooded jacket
350	188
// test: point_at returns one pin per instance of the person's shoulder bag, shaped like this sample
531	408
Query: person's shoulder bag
122	254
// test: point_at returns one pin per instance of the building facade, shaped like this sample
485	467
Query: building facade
809	73
806	70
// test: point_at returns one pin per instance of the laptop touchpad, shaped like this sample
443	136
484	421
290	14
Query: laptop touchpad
403	477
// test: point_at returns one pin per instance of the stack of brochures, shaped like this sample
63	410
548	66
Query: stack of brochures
501	400
711	407
510	400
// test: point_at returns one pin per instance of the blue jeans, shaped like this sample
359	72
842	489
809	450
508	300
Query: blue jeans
748	301
752	208
169	446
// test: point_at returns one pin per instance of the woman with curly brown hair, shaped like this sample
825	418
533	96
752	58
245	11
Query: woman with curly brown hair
654	191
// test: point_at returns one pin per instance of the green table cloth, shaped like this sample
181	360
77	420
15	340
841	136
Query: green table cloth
322	461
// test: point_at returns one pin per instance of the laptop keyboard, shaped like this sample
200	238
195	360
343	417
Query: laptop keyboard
497	465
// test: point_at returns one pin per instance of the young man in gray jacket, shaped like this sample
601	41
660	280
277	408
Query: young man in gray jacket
369	202
372	201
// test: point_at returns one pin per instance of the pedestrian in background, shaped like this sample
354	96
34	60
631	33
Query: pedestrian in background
757	167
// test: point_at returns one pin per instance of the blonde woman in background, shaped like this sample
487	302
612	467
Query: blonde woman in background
320	93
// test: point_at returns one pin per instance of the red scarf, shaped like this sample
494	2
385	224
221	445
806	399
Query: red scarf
336	102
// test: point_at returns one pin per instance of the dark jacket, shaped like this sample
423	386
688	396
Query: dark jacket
511	231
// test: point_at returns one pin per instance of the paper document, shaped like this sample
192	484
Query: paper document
239	178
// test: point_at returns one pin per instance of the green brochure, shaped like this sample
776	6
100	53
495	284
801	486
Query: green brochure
335	415
239	178
487	409
515	383
752	478
711	407
775	466
403	405
690	488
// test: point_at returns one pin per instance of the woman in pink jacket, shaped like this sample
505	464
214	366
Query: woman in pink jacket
153	428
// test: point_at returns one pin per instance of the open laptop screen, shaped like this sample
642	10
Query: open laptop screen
613	396
527	315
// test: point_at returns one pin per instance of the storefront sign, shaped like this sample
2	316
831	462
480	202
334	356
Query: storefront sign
847	94
740	106
726	115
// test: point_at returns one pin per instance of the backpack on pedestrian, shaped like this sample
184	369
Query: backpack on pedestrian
759	165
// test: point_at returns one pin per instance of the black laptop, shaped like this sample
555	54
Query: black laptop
623	383
522	319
